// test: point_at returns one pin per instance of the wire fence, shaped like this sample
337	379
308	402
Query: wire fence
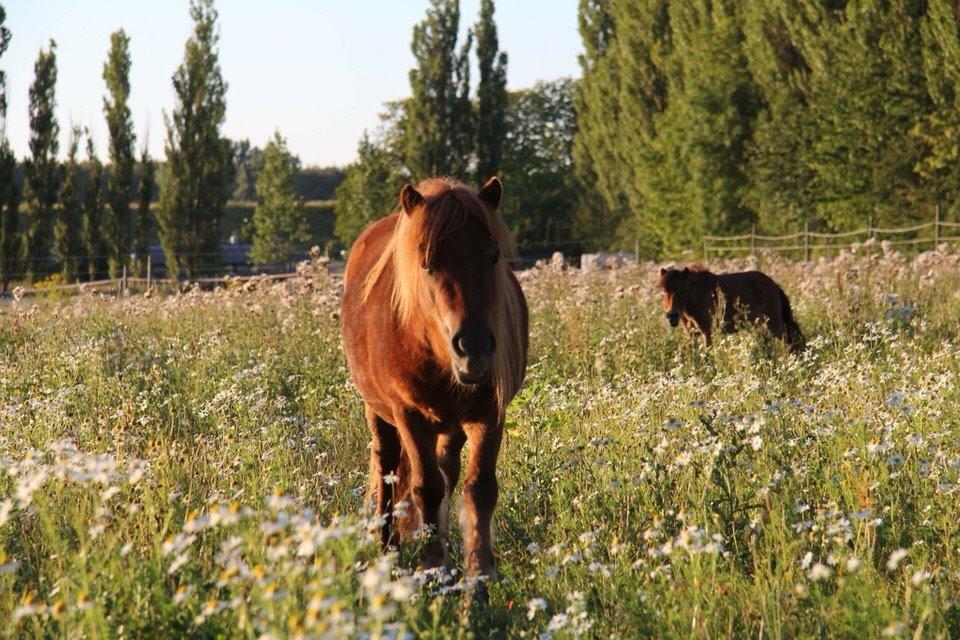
128	284
807	242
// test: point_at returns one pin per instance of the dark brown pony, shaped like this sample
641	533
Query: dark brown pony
435	333
693	296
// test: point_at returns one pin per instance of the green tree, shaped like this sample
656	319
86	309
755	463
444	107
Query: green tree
198	173
92	224
141	241
10	240
602	205
279	223
665	111
248	161
368	192
777	44
439	127
42	169
491	94
116	74
67	233
695	170
538	162
939	129
867	93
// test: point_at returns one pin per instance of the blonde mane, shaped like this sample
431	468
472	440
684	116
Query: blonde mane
448	206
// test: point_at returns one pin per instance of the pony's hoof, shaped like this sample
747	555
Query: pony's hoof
479	595
434	556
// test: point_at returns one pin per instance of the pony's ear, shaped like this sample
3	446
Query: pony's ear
410	199
663	271
491	192
686	272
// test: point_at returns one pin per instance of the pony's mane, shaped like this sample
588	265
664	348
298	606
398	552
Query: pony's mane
448	205
672	273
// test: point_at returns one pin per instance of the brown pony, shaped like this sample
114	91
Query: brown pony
692	296
435	333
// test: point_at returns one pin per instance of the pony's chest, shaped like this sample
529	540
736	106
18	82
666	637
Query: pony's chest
445	403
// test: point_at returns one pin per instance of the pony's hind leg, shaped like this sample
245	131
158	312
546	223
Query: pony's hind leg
426	482
384	464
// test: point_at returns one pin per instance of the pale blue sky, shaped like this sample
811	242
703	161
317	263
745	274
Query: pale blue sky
317	69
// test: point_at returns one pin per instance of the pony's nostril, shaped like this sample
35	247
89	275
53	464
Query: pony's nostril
459	348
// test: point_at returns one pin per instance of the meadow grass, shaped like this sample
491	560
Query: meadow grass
194	466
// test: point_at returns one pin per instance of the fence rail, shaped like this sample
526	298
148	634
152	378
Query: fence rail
120	286
808	241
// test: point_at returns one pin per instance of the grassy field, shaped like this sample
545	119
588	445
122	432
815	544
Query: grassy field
194	466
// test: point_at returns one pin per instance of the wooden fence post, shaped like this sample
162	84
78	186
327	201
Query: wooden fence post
753	240
123	286
149	272
704	247
936	227
636	248
806	241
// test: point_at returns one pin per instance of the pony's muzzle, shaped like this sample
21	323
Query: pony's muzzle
473	346
673	317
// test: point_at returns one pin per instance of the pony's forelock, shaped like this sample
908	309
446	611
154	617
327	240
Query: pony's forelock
448	205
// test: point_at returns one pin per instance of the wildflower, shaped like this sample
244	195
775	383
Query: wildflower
534	606
919	577
819	572
895	558
178	563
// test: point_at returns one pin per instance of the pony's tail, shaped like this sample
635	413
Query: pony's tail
795	339
408	519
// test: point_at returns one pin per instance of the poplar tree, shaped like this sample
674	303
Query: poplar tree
439	133
278	220
10	241
116	75
42	170
602	205
199	170
141	242
781	51
67	231
92	223
697	176
866	99
491	95
643	49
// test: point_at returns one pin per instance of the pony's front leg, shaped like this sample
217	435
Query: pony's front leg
426	483
449	446
480	497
